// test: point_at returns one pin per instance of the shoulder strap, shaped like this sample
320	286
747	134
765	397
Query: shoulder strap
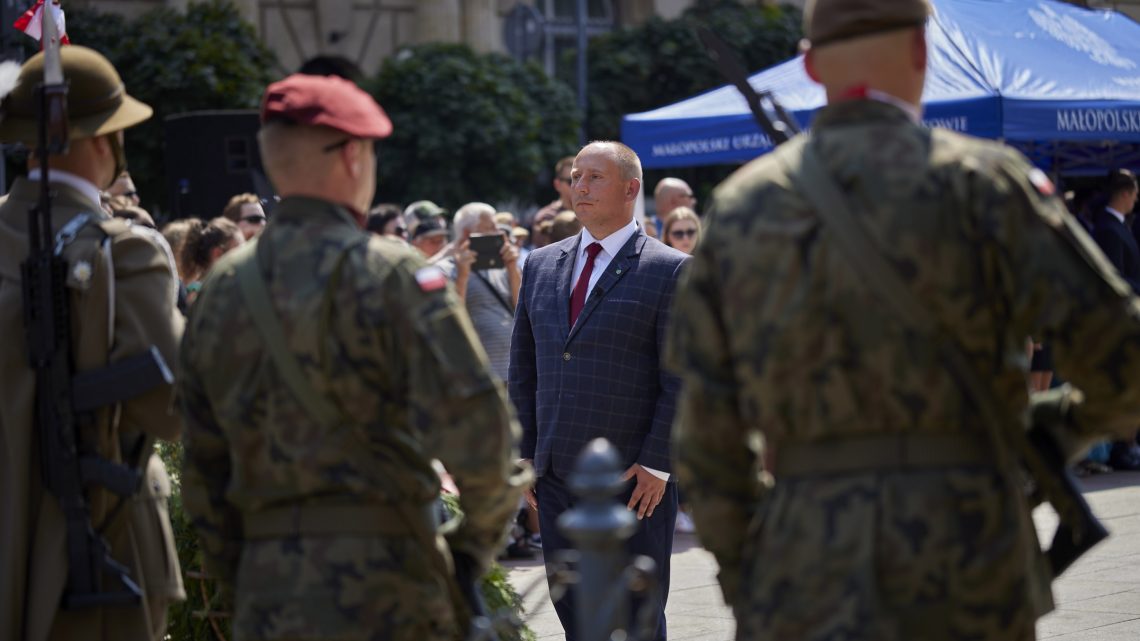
260	307
1079	529
816	185
494	291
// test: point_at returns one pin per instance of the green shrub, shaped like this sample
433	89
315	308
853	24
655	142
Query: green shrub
468	126
186	623
663	61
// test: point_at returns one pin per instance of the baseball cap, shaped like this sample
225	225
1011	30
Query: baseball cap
427	226
326	101
423	209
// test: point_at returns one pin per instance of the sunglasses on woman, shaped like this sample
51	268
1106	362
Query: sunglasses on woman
682	233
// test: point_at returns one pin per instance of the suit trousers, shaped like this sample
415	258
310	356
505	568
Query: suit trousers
653	538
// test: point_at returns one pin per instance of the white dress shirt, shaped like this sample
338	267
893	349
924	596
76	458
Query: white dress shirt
1119	216
84	186
611	245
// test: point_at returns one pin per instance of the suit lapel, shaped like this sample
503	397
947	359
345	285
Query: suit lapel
564	271
615	271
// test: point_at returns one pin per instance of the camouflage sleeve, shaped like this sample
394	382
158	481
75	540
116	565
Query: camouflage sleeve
457	402
1061	286
206	474
716	451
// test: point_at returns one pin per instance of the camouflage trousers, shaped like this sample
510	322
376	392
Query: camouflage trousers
342	588
906	556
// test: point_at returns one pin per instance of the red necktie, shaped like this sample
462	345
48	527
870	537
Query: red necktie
578	298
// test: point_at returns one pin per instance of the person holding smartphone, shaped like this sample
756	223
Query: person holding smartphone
484	266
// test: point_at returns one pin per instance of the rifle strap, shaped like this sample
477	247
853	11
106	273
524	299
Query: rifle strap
260	308
814	182
819	188
494	292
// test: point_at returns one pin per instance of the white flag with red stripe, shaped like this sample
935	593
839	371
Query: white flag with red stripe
31	22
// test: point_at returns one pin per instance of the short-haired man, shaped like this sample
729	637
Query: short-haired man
247	212
669	194
564	225
490	295
586	360
561	184
309	443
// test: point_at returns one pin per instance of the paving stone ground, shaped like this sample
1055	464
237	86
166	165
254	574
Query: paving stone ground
1098	598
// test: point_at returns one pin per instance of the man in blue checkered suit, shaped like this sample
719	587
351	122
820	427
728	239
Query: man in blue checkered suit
586	360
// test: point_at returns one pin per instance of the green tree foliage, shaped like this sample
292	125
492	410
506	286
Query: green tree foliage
663	61
186	620
205	58
468	126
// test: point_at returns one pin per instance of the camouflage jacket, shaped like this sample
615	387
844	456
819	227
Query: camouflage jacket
775	335
381	334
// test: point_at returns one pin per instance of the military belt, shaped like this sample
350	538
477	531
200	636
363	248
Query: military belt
332	520
881	453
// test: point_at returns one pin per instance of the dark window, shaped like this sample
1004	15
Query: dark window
237	155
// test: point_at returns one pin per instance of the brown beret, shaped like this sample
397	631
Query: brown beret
828	21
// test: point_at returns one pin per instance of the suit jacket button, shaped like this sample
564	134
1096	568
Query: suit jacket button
566	356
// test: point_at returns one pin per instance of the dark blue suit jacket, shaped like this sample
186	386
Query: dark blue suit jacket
603	378
1119	245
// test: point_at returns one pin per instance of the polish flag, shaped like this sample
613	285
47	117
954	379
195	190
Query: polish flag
31	22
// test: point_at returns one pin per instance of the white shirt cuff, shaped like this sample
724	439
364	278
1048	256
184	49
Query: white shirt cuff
664	476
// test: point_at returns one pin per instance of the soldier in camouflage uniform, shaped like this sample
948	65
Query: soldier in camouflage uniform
319	520
788	357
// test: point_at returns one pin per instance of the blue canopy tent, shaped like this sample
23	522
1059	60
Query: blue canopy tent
1060	82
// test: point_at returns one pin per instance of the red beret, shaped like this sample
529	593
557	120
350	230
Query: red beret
326	101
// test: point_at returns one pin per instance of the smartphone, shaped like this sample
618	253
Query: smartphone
487	248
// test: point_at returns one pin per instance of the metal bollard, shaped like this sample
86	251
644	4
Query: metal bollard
599	527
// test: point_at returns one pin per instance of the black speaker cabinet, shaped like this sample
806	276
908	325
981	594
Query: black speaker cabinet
210	157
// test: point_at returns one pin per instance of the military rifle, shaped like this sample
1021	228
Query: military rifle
1037	450
64	402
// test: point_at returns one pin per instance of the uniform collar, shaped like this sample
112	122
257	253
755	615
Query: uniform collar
304	209
613	243
861	111
82	185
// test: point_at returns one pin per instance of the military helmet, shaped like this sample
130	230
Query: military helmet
97	102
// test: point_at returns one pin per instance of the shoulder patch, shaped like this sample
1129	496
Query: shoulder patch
1041	182
431	279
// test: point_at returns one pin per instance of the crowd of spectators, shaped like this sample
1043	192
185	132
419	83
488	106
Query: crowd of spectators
490	294
445	239
1109	215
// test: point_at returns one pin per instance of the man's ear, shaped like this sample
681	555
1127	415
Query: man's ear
350	156
809	65
633	188
919	51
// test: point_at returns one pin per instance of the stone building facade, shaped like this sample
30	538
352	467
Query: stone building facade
368	31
